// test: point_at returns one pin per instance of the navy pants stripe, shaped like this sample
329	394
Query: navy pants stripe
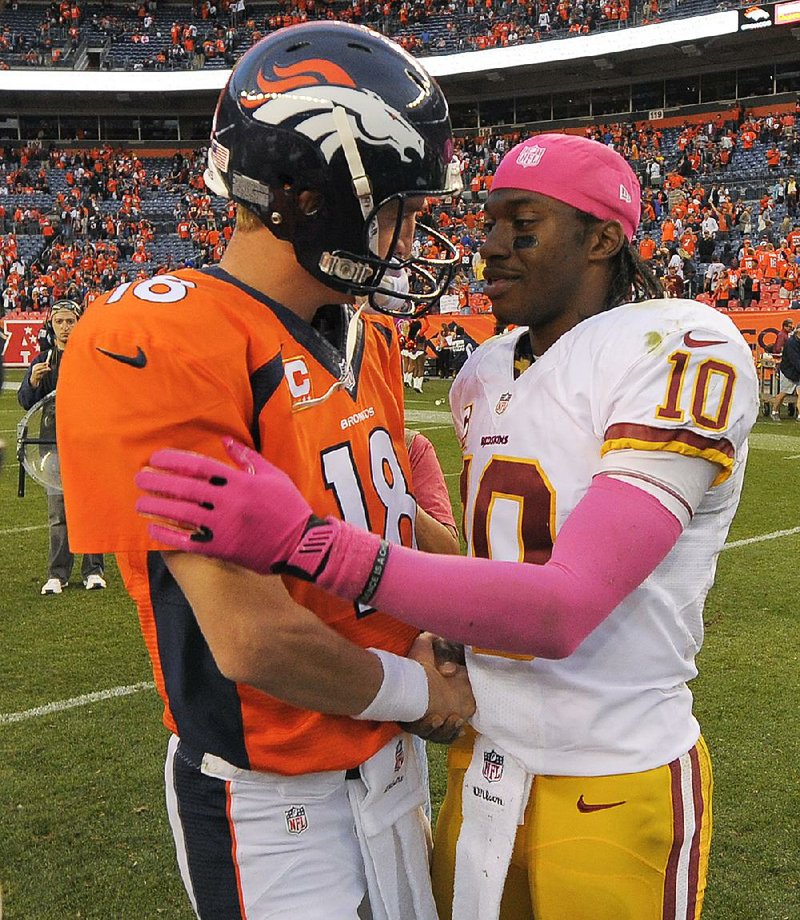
202	805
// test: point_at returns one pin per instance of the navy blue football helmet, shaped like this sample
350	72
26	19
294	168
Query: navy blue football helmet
341	112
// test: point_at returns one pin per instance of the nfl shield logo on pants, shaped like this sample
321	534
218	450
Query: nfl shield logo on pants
296	820
492	766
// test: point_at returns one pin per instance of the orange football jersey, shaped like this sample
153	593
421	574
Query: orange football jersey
182	360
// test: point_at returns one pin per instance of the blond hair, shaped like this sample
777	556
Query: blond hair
246	220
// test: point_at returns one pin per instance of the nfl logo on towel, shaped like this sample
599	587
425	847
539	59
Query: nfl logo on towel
296	820
492	766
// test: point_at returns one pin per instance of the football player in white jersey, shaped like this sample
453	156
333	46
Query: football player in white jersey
604	445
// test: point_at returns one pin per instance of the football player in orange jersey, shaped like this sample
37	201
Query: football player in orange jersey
291	789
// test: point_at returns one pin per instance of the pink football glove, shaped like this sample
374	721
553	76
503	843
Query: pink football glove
253	516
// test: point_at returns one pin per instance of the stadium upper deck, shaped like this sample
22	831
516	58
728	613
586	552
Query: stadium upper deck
147	36
616	71
703	70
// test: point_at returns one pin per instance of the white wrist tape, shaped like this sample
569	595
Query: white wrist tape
403	694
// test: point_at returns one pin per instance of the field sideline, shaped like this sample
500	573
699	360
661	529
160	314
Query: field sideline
83	832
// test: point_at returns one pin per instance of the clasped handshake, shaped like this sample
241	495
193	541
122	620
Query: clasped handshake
254	516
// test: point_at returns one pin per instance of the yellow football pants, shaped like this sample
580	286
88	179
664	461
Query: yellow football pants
628	847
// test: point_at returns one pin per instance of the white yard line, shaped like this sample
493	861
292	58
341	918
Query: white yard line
7	718
22	529
441	417
424	428
773	440
775	535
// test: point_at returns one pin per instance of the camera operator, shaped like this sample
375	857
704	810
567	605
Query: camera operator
40	380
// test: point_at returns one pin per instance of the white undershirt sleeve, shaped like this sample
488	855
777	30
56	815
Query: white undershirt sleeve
677	481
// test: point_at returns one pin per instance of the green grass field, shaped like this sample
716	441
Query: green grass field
83	831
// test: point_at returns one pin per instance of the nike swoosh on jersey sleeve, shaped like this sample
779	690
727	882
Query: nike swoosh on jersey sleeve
691	342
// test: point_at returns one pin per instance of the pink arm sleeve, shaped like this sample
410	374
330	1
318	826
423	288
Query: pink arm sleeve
429	486
612	541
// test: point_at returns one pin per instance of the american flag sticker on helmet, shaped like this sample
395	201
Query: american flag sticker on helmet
220	155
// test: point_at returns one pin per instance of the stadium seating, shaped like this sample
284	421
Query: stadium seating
159	208
440	31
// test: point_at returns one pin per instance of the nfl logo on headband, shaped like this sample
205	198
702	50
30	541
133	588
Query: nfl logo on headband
531	156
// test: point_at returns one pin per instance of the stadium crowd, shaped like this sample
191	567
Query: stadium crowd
75	223
217	32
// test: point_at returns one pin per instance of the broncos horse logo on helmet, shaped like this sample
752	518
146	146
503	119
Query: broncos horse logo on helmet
344	112
371	119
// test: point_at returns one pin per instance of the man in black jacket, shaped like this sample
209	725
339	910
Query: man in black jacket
789	373
40	380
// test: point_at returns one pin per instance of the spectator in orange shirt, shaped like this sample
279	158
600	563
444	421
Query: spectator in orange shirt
722	292
773	157
647	247
748	138
689	242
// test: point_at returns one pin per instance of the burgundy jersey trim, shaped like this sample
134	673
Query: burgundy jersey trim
654	435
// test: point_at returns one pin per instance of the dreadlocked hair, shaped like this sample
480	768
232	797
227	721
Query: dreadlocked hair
631	277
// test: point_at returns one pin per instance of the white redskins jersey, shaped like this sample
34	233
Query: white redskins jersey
666	377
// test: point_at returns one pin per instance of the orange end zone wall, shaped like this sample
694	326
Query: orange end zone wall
759	329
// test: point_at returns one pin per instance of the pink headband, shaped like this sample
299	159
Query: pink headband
584	174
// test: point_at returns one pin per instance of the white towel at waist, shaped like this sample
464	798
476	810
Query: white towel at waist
394	833
495	793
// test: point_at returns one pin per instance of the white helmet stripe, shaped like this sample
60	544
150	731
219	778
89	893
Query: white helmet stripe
361	184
